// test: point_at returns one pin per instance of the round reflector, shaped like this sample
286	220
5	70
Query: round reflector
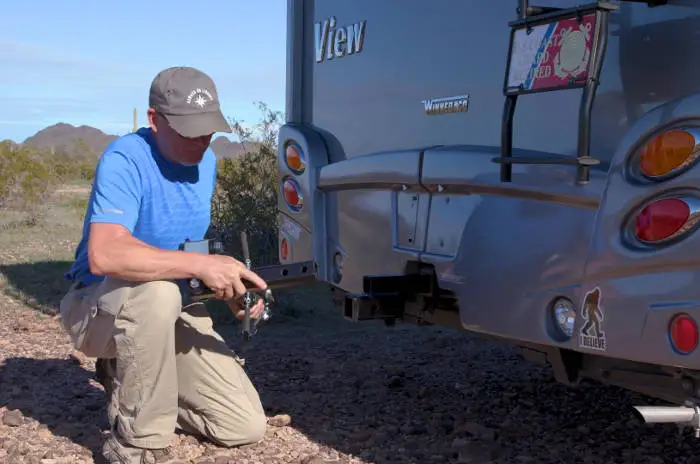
666	152
661	219
292	194
684	333
564	316
295	159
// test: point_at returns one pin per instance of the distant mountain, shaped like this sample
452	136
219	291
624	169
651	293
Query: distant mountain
69	137
225	148
65	136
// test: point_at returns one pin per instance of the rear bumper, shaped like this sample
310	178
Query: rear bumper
633	316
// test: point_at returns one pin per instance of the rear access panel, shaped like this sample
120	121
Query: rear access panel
410	212
377	214
449	214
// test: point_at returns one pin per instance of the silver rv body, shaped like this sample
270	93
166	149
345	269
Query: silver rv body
434	191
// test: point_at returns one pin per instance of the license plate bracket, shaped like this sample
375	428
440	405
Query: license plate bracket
551	53
558	49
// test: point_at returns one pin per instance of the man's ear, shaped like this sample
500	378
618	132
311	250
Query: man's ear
152	119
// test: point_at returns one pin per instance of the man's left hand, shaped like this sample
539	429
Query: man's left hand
238	310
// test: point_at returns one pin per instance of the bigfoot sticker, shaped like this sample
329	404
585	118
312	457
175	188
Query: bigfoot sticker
592	335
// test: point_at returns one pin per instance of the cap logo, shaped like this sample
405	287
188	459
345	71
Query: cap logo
201	97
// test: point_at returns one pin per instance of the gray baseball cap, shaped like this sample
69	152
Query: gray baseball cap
188	99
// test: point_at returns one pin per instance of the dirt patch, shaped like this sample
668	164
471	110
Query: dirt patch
352	394
74	189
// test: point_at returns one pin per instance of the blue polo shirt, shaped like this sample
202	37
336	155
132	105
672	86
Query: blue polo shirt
160	202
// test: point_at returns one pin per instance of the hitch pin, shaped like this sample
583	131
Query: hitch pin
247	298
247	301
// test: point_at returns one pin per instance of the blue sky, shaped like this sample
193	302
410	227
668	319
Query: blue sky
92	62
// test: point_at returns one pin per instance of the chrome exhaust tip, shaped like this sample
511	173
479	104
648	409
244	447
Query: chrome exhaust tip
687	415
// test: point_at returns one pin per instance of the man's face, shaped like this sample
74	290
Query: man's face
183	150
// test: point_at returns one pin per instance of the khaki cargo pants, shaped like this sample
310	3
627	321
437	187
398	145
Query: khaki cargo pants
173	370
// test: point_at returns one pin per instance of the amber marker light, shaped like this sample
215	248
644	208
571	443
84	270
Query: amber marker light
295	159
668	152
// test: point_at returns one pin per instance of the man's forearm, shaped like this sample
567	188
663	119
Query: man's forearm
131	259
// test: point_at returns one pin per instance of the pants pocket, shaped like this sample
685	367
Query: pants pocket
88	318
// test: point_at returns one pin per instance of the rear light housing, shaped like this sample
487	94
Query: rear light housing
668	154
683	333
664	220
291	190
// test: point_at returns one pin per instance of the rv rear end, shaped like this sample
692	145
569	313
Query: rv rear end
493	166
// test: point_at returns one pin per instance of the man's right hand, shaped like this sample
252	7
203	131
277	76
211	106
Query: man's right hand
224	276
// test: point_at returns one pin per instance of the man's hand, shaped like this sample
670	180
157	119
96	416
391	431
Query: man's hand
238	310
224	274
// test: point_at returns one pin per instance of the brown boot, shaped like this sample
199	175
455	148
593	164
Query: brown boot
116	452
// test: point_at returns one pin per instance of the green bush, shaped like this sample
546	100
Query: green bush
24	176
29	174
246	192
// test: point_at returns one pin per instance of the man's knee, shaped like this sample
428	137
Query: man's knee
243	431
158	301
257	425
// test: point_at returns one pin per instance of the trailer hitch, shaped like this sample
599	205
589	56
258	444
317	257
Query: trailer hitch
248	300
276	276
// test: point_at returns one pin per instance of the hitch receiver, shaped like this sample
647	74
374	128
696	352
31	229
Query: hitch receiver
385	296
363	307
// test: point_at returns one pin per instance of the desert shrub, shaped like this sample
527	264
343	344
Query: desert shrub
72	164
246	192
29	174
24	176
69	167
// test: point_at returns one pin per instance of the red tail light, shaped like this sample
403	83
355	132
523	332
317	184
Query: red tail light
284	249
661	219
292	194
684	333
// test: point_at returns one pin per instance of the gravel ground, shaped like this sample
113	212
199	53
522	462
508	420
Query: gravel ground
337	392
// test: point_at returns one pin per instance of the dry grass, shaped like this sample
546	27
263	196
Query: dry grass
37	247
